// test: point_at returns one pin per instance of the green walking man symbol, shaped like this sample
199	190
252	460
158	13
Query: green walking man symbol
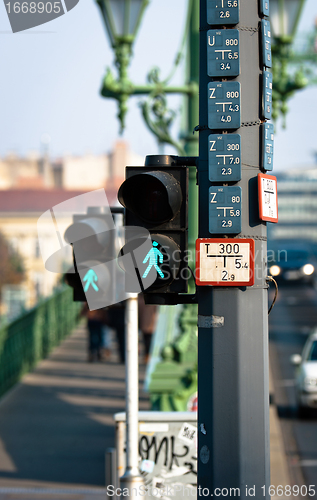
90	278
154	255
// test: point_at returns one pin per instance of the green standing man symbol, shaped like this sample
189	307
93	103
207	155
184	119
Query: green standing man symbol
90	278
154	256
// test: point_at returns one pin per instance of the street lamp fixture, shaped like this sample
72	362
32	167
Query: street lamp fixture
122	19
159	118
284	17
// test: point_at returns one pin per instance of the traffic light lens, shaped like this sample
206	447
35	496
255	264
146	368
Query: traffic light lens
165	258
154	202
154	197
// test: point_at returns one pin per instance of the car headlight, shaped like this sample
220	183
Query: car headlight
308	269
310	381
275	270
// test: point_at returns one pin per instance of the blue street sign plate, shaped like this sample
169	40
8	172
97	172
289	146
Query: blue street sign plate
267	95
222	12
224	108
265	7
224	157
267	130
223	57
225	209
266	43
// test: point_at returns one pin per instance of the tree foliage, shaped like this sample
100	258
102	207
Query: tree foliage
12	270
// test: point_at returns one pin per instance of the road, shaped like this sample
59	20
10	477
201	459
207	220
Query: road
291	320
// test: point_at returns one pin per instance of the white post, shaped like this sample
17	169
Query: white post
131	478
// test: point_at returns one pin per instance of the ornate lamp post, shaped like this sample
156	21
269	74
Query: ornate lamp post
122	29
284	17
122	19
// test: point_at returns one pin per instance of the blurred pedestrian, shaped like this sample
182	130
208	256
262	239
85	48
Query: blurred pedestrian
116	320
106	341
147	323
95	323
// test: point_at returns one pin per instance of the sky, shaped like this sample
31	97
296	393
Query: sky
51	76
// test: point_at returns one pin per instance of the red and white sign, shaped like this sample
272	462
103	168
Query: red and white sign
224	262
267	188
192	403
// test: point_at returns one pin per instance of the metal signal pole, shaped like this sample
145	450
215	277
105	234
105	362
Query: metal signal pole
132	480
233	391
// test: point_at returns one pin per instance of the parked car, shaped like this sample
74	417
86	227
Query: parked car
306	375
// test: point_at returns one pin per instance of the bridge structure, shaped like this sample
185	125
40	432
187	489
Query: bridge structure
57	409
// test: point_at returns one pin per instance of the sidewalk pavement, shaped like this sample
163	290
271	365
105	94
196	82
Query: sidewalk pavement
57	423
279	469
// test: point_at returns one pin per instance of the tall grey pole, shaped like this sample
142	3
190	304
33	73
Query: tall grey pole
233	391
131	478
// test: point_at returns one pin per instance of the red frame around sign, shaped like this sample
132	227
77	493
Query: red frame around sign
261	216
224	283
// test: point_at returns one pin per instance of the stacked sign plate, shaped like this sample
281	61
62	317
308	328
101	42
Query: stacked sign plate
224	114
267	186
224	143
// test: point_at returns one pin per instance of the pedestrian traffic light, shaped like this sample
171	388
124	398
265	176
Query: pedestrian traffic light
155	198
92	237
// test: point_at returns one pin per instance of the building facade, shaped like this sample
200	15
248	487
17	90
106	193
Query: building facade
297	207
20	210
33	185
86	172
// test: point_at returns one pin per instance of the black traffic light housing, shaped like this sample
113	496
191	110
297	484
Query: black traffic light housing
156	198
92	237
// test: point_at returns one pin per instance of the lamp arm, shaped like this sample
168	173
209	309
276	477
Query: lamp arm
159	119
113	88
283	90
122	88
287	55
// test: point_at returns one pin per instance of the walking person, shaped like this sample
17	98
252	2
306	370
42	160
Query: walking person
95	323
147	323
116	320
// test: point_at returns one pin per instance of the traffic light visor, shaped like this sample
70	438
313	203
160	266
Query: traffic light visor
155	197
86	228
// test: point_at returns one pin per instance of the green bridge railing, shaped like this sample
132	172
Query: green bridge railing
31	337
